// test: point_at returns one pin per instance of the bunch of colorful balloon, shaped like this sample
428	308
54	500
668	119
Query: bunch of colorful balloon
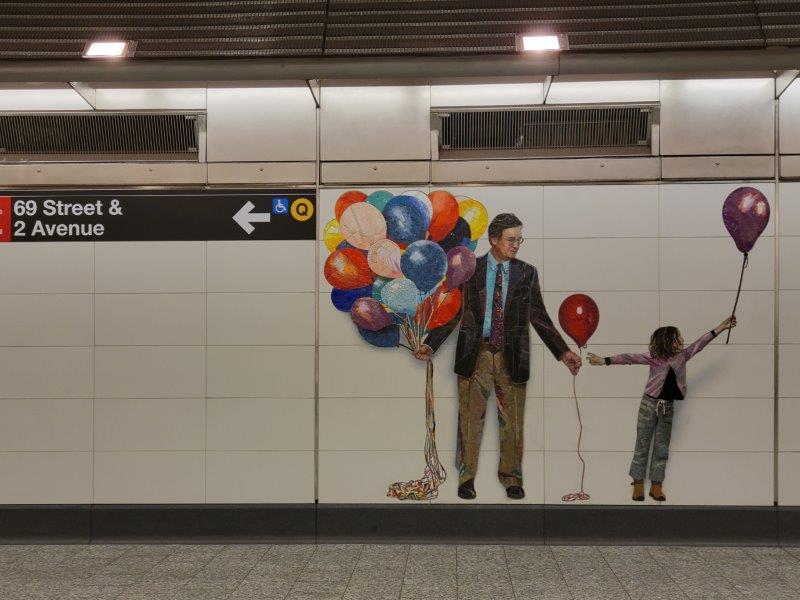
579	317
396	263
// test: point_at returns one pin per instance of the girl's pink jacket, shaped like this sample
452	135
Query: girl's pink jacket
659	367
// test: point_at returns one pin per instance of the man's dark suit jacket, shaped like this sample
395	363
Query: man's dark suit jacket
523	305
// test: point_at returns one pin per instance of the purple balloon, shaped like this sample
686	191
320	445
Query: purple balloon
367	313
460	266
745	214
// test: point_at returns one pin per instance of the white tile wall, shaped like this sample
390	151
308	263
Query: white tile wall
632	264
150	371
149	477
150	319
46	373
260	477
261	371
46	477
260	424
697	311
36	268
788	482
261	266
151	424
613	211
693	478
695	210
365	476
715	264
188	367
255	319
148	267
46	320
644	266
51	424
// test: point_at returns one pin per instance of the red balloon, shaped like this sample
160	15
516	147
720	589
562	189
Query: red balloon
579	317
348	269
346	199
446	307
445	214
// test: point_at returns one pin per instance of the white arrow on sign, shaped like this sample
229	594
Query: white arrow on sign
244	217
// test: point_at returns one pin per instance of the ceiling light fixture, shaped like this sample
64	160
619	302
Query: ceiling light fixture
108	50
541	42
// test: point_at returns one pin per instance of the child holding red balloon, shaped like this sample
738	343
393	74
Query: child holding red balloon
666	383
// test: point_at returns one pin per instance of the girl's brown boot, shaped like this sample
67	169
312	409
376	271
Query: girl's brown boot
638	490
656	493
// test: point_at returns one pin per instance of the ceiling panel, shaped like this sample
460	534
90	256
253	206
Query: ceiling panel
294	28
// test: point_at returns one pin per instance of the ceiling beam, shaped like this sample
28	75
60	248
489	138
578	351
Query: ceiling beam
85	91
784	80
489	66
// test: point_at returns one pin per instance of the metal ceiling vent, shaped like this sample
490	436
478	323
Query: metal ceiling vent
99	136
546	131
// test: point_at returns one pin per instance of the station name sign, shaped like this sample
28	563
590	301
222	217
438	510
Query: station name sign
157	215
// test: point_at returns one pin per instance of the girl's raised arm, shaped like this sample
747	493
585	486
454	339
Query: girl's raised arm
703	340
620	359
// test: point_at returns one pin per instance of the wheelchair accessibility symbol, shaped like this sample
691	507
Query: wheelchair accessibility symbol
302	209
280	206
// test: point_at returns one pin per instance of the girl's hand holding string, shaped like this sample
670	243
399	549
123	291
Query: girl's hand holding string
728	323
595	360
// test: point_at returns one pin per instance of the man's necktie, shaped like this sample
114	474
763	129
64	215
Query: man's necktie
496	332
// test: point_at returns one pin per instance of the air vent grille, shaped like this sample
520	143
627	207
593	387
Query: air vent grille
110	136
546	130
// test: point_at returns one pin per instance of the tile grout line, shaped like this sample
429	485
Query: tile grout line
508	570
405	570
667	571
613	572
94	381
262	557
303	570
355	566
712	567
561	571
775	574
205	378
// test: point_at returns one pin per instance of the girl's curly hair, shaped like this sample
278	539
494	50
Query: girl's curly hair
663	342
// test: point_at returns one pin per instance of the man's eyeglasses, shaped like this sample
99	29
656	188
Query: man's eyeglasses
514	241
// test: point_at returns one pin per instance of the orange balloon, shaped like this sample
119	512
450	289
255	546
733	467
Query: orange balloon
447	306
445	214
346	200
348	269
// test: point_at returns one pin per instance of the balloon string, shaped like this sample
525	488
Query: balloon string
427	487
745	261
582	495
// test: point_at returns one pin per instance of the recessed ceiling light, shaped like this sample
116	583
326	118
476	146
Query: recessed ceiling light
106	50
540	42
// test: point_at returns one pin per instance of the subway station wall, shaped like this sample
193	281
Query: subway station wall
188	372
185	371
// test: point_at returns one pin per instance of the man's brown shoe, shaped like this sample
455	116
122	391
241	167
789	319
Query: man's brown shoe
656	493
638	490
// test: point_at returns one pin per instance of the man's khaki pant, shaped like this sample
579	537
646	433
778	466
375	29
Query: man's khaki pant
473	394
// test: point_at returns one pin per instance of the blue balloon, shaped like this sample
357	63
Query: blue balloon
424	263
343	299
473	245
388	337
401	296
407	219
